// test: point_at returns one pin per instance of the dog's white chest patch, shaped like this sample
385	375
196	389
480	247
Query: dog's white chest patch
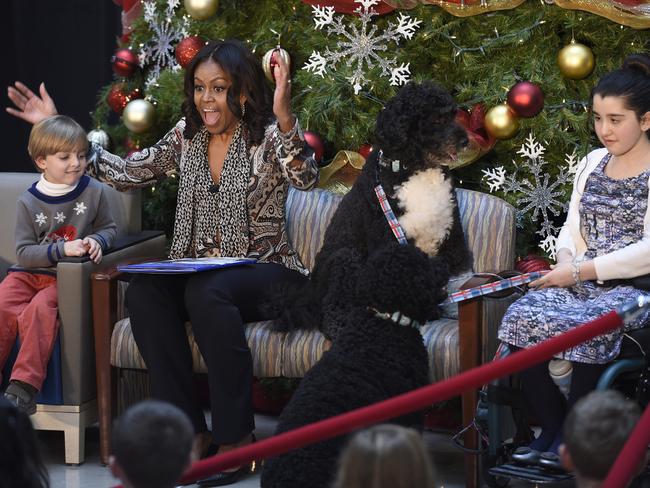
426	201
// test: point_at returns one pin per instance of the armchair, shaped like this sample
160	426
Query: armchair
459	341
67	401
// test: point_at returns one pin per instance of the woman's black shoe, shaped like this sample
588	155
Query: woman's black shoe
526	455
225	477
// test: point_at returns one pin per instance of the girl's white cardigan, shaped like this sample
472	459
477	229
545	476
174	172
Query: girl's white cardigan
628	262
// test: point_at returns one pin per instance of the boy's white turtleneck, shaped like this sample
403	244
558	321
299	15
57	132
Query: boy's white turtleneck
53	189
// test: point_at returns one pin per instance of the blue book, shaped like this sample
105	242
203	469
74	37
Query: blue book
184	265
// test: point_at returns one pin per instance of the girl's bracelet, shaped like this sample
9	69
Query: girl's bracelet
575	271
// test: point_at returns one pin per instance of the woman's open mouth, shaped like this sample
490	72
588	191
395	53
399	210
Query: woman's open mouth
210	116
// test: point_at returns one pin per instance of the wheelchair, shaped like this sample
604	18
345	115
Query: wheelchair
502	415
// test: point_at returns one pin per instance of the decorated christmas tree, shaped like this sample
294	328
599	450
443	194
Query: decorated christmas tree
521	71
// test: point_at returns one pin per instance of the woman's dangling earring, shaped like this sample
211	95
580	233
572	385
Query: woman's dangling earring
243	110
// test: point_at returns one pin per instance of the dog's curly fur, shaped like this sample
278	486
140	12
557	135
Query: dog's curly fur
418	128
362	267
371	360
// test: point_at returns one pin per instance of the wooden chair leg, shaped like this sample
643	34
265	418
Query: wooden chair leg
104	306
470	324
470	439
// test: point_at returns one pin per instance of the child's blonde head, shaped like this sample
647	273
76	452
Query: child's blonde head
385	456
56	134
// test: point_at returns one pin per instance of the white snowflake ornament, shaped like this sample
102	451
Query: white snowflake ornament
59	217
495	178
361	45
549	246
536	195
166	32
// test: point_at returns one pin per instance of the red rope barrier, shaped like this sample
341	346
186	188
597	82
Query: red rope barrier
402	404
629	459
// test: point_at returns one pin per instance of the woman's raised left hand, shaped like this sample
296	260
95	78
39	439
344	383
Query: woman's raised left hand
282	95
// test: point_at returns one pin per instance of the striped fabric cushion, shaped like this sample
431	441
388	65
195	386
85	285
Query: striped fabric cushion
308	215
302	349
488	223
441	341
266	349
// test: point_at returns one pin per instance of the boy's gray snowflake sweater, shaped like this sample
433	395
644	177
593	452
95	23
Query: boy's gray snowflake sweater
44	223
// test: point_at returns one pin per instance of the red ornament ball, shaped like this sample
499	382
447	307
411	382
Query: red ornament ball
124	62
526	99
365	150
128	4
117	97
187	48
316	143
532	263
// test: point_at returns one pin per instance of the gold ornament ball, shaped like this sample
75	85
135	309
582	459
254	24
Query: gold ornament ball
201	9
576	61
138	116
501	122
269	61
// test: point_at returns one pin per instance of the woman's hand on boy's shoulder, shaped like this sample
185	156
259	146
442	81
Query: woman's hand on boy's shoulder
29	106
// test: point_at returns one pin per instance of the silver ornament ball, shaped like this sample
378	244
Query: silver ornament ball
99	136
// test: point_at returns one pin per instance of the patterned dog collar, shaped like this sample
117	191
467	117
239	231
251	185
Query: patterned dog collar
398	317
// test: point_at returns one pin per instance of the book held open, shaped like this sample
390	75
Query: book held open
184	265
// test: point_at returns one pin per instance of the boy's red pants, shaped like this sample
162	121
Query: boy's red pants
28	309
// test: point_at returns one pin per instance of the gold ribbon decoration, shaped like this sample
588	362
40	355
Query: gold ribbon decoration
460	8
633	13
342	172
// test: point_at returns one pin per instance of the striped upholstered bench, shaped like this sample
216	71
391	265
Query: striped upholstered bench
458	341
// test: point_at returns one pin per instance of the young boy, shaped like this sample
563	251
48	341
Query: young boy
65	213
152	445
595	432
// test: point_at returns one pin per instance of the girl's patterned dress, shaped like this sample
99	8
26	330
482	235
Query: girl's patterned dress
611	217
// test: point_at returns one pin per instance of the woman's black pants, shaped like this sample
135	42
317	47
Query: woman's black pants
217	303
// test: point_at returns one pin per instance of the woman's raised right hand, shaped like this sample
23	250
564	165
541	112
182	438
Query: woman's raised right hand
30	107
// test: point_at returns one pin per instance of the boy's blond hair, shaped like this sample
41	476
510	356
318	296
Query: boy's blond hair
56	134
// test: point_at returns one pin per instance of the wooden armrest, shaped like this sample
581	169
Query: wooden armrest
478	279
104	282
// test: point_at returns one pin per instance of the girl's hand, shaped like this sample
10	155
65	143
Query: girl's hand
282	95
94	249
560	276
30	107
75	248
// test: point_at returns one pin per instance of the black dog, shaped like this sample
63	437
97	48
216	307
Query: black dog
373	358
416	135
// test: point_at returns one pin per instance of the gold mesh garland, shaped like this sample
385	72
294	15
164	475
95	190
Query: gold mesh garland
460	8
632	14
636	16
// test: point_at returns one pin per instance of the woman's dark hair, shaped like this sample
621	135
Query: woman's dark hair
20	460
247	77
630	82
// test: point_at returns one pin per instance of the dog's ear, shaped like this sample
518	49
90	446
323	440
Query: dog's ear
402	278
